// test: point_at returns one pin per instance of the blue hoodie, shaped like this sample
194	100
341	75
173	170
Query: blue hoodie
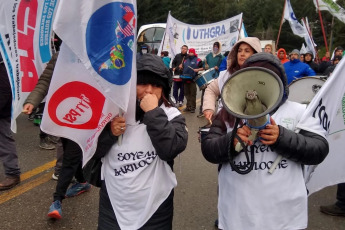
296	69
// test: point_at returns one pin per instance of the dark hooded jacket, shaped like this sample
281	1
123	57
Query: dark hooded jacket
168	137
311	63
304	147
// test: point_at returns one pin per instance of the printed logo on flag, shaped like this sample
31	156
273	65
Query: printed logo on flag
76	105
110	40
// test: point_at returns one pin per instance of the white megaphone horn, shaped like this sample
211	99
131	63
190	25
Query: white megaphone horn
251	94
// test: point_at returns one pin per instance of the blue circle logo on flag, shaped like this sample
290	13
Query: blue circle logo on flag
110	41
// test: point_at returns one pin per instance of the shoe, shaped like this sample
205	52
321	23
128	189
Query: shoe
332	210
46	144
192	110
77	189
200	115
9	182
216	223
53	139
31	116
55	176
180	104
55	211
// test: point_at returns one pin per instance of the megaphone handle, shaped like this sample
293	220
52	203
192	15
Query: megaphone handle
275	163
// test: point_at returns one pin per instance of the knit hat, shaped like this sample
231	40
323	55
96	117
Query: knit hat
339	48
151	70
295	51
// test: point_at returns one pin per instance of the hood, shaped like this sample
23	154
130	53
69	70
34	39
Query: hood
232	57
153	63
270	62
281	49
219	49
312	56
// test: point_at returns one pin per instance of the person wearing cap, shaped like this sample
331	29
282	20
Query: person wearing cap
138	181
191	66
144	49
258	199
243	49
331	68
339	51
212	60
308	59
296	69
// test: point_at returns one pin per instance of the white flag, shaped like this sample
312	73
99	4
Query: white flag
25	45
325	115
308	39
289	15
303	50
95	74
331	7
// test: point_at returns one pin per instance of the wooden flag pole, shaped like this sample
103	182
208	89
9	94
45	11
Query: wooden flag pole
281	24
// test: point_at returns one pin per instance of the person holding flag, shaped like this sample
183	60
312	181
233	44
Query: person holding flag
138	183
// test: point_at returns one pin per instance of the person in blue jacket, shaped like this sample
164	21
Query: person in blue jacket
295	69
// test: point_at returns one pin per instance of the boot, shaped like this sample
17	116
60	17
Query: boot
9	182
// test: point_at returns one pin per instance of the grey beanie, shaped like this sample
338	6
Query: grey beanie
295	51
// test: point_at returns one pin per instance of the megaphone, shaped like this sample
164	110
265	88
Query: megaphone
251	94
268	86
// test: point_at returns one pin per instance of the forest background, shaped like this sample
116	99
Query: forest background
261	18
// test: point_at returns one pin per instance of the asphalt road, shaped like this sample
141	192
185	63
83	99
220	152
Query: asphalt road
26	206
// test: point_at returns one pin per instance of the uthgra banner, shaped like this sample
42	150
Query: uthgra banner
200	37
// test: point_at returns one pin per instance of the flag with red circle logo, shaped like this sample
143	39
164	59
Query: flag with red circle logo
95	75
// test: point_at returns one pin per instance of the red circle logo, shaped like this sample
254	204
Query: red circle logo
76	105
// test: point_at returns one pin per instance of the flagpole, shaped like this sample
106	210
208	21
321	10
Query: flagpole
240	29
321	22
281	24
310	35
331	39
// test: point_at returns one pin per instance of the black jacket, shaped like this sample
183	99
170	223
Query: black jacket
314	66
168	138
304	147
179	58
